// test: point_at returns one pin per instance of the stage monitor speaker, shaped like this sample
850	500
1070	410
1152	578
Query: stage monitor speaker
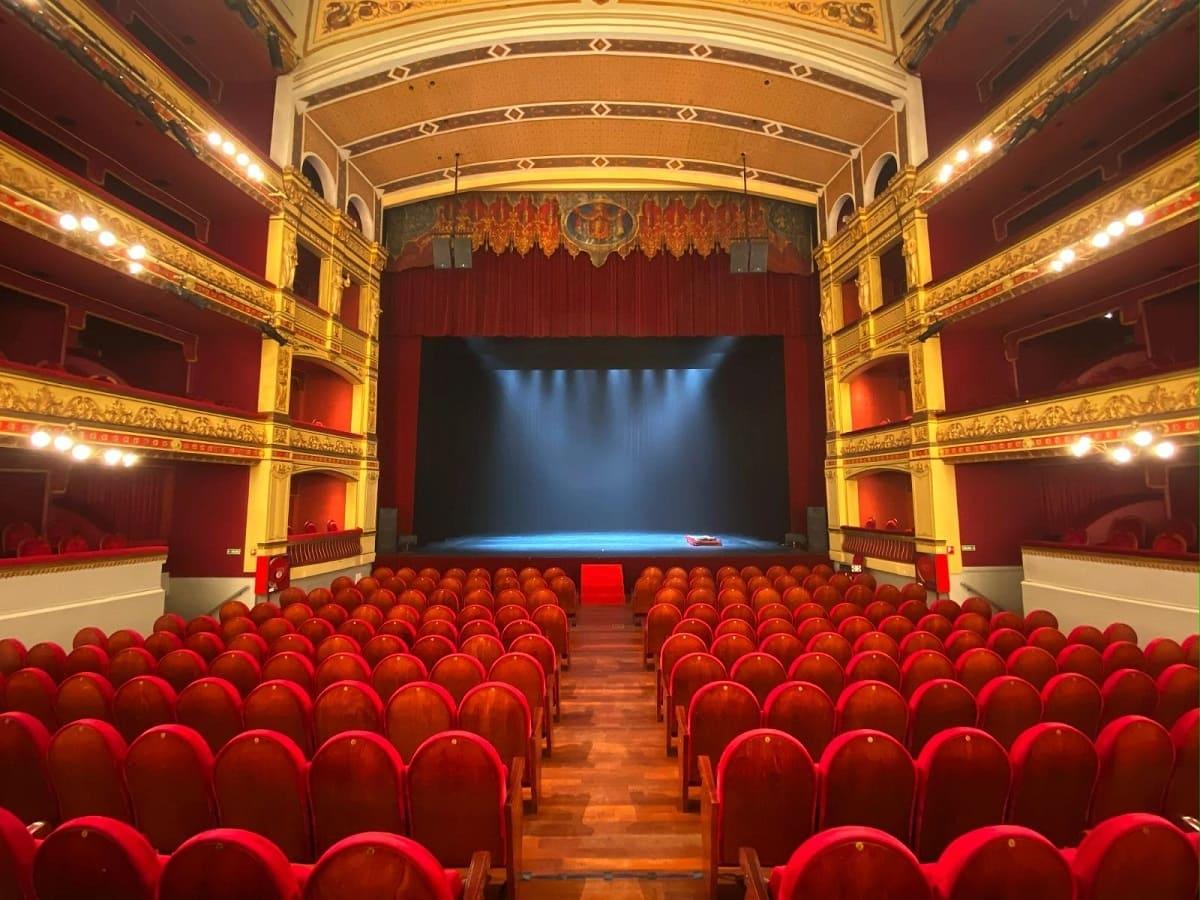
451	253
748	256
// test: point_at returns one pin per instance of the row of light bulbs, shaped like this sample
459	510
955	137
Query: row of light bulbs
228	148
136	253
41	439
962	156
1142	440
1101	239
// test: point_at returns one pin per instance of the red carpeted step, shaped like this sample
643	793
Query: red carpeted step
601	584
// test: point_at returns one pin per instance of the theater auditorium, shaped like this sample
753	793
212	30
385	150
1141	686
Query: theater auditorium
599	450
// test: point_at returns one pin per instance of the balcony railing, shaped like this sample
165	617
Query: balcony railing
894	546
323	547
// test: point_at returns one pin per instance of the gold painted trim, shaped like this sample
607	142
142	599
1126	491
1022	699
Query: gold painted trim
21	571
1137	562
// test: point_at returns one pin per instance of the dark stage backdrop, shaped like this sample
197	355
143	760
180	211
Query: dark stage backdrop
606	434
539	296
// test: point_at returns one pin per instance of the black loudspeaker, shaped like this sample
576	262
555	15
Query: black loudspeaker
748	256
451	253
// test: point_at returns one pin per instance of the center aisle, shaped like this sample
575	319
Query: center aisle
609	824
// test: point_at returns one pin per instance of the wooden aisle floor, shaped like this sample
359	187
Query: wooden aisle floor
609	824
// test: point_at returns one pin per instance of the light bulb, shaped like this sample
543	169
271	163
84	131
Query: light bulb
137	251
1082	446
1067	255
228	149
1143	438
81	452
128	459
89	223
945	172
112	456
987	145
106	238
1135	218
1057	265
1122	454
1116	228
214	138
962	155
255	172
1164	450
68	222
40	439
136	268
63	443
242	160
1100	240
1108	315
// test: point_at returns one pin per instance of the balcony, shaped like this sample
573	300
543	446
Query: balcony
871	543
324	547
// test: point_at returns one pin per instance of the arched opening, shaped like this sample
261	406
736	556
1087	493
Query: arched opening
885	169
317	503
360	215
840	213
318	176
885	500
320	396
880	394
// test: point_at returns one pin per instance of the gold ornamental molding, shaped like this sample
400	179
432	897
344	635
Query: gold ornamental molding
1120	559
331	230
871	228
132	557
33	196
1097	52
1166	193
28	396
923	31
1147	401
898	437
99	44
321	442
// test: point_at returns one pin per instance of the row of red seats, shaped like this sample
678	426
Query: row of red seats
1136	855
767	793
22	539
461	583
93	856
1133	533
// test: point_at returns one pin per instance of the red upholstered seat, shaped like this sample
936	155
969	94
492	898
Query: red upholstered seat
977	667
12	656
1128	692
87	658
1074	699
380	866
766	787
34	692
916	641
342	667
96	858
963	778
213	708
731	647
398	669
1135	856
1178	692
1007	706
142	703
688	675
282	707
803	711
500	714
1136	760
230	864
415	712
922	667
17	848
432	647
1049	639
169	774
49	657
1032	664
1054	770
290	666
25	786
84	696
260	782
346	706
867	778
879	642
851	862
356	783
1183	793
179	668
457	792
871	665
458	673
960	641
1084	659
718	712
1161	653
760	672
1005	641
872	705
936	706
1003	862
130	663
238	668
85	761
161	643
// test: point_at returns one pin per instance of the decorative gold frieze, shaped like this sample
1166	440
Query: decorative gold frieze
320	442
895	438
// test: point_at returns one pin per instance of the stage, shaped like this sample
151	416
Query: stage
631	549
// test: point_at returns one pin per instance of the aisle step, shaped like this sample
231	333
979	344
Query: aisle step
602	584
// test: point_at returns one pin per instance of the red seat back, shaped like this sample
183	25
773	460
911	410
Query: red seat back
260	782
872	705
867	778
1054	770
225	862
345	706
1135	856
415	712
963	778
142	703
1003	861
851	862
379	866
356	784
85	761
934	707
1136	760
282	707
97	858
169	774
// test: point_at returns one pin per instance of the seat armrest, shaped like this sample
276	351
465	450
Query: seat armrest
38	829
515	808
477	875
756	884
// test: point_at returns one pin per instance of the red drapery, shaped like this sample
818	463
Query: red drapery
559	296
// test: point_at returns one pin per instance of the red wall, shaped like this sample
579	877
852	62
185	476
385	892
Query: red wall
318	498
883	496
881	394
319	395
208	517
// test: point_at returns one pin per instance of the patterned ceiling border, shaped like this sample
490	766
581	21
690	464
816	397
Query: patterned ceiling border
658	163
596	109
602	45
862	21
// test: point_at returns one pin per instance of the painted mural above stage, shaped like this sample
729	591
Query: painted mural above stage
602	223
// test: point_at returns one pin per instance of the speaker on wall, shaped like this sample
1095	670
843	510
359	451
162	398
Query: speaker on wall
451	252
748	256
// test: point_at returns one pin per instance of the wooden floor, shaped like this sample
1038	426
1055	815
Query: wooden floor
609	825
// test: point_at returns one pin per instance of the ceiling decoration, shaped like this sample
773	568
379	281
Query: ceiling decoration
602	223
337	19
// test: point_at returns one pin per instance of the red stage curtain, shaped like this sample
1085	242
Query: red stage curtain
508	295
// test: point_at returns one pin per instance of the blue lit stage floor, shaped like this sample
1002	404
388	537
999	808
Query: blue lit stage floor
593	544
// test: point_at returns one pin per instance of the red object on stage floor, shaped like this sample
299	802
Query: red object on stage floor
601	584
